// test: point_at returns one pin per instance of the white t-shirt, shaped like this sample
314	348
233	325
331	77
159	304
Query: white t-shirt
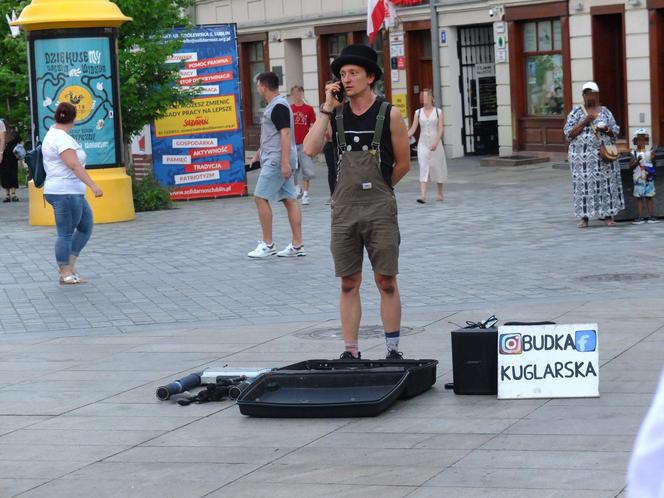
60	179
2	126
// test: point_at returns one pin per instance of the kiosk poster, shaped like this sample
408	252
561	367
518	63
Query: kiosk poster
548	361
80	71
197	149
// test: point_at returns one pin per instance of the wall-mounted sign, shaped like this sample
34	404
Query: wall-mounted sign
548	361
197	148
396	37
79	68
399	100
395	74
443	37
401	62
501	55
485	79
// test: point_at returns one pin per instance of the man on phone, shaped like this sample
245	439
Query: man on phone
372	142
278	157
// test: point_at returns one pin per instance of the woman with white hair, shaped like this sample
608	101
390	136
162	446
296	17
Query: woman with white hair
596	183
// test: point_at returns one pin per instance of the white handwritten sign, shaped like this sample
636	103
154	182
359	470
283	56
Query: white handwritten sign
548	361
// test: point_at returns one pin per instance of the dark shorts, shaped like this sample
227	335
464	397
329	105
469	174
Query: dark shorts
371	226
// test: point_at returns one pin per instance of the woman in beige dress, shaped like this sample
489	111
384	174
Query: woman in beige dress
430	152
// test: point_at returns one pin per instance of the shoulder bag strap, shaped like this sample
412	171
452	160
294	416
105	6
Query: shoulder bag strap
380	123
341	132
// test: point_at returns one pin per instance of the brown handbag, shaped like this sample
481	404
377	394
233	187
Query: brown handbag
607	152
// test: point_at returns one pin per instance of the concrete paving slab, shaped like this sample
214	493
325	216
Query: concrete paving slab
16	486
560	479
243	489
491	492
366	474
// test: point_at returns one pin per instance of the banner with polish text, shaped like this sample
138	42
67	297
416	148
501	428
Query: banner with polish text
197	149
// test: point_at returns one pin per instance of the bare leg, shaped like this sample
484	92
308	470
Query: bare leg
350	306
306	185
440	191
423	191
265	217
390	301
639	207
295	220
651	207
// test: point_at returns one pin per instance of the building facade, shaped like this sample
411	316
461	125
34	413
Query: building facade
509	71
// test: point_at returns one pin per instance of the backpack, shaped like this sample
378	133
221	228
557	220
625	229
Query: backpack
35	161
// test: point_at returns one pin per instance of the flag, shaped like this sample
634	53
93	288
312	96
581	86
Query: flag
376	13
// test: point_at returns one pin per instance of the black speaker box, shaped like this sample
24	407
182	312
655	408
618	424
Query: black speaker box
475	360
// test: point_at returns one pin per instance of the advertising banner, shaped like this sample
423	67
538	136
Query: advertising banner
548	361
197	149
79	70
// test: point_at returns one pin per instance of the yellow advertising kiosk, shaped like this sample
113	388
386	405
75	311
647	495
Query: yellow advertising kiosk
72	52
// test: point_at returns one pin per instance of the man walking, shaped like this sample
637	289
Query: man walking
372	141
278	157
303	117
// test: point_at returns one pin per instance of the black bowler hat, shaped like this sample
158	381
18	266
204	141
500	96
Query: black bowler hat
359	55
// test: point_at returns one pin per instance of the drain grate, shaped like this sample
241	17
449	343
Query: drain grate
366	332
618	277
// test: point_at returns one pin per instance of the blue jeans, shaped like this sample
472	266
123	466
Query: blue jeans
73	220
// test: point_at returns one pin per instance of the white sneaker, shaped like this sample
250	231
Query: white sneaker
262	250
291	251
305	198
298	191
652	219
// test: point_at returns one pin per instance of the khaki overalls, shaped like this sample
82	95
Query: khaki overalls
364	209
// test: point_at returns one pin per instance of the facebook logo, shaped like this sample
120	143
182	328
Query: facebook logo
586	341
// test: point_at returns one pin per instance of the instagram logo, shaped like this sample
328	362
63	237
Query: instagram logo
510	344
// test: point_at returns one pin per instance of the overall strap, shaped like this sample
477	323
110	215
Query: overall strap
380	122
341	133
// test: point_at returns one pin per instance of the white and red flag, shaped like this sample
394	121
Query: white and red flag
379	12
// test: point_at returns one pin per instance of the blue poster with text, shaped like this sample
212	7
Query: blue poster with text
197	148
78	71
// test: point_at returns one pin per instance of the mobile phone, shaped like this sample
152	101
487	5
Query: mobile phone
341	94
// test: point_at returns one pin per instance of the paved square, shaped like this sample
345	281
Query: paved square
174	292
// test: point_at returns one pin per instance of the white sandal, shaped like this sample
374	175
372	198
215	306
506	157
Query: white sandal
70	280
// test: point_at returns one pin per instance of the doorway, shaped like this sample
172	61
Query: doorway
477	84
419	68
608	34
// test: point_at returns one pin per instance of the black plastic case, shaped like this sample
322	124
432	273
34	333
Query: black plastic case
323	393
422	372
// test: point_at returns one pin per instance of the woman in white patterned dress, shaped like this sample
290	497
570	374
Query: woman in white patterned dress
430	152
597	185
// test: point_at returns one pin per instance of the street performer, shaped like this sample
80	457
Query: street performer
372	141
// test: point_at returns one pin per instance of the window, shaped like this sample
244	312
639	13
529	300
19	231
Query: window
542	51
377	45
256	62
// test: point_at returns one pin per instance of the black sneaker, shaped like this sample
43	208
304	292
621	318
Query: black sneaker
347	355
394	355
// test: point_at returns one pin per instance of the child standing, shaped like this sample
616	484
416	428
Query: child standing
643	162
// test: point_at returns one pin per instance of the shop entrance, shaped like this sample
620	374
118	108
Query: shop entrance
419	67
477	84
608	31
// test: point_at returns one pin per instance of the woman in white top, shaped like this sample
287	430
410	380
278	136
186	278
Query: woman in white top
64	189
430	153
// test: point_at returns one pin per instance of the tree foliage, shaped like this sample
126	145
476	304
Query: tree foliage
147	86
13	71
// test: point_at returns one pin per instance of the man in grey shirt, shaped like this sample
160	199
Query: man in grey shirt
278	157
